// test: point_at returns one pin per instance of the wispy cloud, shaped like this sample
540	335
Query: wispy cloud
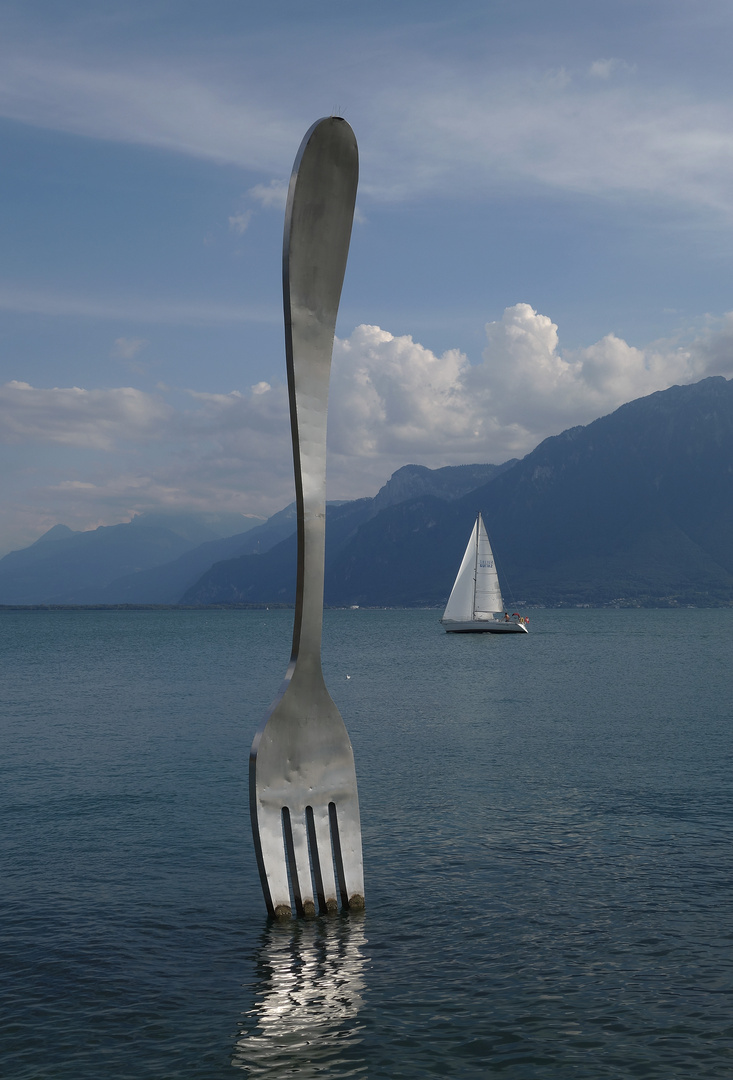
274	194
426	125
127	348
158	104
72	416
133	308
604	69
239	223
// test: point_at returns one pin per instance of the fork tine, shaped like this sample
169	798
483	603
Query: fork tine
321	857
271	858
296	845
346	836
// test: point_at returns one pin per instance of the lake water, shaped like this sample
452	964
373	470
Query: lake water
547	821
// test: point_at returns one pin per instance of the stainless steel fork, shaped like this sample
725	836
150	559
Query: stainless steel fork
302	781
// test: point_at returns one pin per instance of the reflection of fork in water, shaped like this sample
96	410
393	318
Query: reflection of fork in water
309	996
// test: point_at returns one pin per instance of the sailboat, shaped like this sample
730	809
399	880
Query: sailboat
475	600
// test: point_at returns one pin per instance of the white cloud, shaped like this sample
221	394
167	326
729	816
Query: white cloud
272	195
604	69
530	381
156	104
239	223
127	348
425	123
72	416
713	349
390	395
99	457
465	134
392	401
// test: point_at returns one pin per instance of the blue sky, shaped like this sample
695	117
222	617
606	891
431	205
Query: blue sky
544	231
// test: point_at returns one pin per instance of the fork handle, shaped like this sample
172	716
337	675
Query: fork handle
318	220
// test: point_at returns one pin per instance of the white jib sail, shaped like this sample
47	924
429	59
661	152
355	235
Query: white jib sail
488	594
460	602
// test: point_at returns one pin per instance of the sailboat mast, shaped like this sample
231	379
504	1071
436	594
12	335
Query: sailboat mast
475	565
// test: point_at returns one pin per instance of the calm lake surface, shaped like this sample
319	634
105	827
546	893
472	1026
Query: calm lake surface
548	827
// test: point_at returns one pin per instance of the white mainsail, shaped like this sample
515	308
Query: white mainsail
476	593
488	594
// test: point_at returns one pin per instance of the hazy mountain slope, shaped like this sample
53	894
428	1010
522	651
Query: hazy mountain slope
57	532
68	567
638	504
398	557
270	577
73	565
164	584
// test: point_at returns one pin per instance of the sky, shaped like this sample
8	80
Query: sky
544	231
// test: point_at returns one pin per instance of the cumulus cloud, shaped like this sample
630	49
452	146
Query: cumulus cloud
392	402
395	401
527	378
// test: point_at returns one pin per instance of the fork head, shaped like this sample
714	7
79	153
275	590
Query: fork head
304	805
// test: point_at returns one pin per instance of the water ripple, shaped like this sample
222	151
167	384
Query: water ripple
311	981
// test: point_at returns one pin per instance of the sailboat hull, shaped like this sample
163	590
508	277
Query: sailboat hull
483	626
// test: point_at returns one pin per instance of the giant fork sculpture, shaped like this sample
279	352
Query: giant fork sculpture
302	781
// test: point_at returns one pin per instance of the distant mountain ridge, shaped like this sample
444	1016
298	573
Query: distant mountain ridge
270	577
165	583
68	567
155	559
450	482
635	507
259	578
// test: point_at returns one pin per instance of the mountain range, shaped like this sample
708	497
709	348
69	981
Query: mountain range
636	507
68	567
156	557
